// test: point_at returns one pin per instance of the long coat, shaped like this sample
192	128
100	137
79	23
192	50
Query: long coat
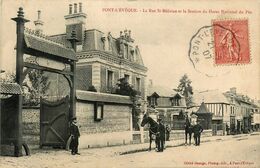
161	130
74	133
197	129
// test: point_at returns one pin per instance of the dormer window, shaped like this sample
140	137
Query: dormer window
152	100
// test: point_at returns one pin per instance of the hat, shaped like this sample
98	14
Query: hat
73	119
159	119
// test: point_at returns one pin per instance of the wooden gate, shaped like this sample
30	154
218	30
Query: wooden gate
54	123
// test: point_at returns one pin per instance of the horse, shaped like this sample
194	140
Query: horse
188	130
153	129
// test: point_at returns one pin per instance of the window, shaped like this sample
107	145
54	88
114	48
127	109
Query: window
109	80
138	84
176	101
152	101
127	78
98	111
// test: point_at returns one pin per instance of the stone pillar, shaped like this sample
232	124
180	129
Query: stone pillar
96	81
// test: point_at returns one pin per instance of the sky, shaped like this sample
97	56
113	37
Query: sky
163	38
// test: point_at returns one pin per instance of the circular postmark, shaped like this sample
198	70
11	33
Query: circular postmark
211	46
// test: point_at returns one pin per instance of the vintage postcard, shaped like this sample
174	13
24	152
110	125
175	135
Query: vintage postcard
132	83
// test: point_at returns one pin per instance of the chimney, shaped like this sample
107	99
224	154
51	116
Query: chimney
70	9
75	20
75	8
80	7
233	90
38	23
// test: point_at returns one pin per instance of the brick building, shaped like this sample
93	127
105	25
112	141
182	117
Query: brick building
103	59
105	119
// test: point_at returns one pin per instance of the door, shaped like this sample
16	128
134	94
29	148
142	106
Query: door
54	123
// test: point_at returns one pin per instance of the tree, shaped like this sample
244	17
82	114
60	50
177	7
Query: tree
39	86
124	88
185	89
33	88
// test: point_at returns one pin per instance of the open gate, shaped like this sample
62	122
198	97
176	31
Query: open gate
54	119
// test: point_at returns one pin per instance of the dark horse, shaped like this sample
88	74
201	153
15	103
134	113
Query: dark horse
188	130
153	129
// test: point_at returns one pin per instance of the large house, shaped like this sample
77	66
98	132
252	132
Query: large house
103	58
106	118
169	105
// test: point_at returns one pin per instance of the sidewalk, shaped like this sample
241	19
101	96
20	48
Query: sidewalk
134	148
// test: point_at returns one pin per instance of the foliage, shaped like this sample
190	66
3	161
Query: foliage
8	77
124	88
185	89
92	89
33	88
39	86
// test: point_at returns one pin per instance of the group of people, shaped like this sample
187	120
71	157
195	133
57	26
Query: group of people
195	129
163	133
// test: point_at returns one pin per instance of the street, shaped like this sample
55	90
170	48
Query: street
235	152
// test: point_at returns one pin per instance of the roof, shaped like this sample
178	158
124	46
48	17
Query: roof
102	97
203	108
209	96
160	90
10	88
44	44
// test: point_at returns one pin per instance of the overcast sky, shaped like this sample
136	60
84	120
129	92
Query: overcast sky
163	38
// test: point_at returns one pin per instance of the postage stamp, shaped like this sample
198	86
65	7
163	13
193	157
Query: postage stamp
224	42
231	42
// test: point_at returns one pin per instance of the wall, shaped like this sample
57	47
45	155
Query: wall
179	134
31	125
114	129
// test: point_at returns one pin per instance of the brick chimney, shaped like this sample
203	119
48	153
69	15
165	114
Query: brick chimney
75	20
38	23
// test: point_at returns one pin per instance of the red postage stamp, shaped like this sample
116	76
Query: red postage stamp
231	42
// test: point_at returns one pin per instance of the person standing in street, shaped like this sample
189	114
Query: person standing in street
74	133
161	135
168	131
197	129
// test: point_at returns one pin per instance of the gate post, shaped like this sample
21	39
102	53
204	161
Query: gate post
20	21
73	40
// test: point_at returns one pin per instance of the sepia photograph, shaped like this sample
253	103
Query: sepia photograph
130	83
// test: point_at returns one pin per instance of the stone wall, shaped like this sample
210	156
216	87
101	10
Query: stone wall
31	125
116	118
113	129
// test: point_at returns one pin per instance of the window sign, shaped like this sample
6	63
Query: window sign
98	111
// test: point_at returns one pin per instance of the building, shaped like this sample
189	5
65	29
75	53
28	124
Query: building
170	105
243	108
106	118
217	104
103	58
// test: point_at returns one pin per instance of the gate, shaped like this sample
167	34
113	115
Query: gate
54	123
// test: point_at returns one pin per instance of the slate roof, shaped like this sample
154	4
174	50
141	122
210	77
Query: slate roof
46	45
209	96
203	108
102	97
162	91
10	88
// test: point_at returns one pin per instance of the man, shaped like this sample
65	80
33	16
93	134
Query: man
74	133
197	129
161	135
168	130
